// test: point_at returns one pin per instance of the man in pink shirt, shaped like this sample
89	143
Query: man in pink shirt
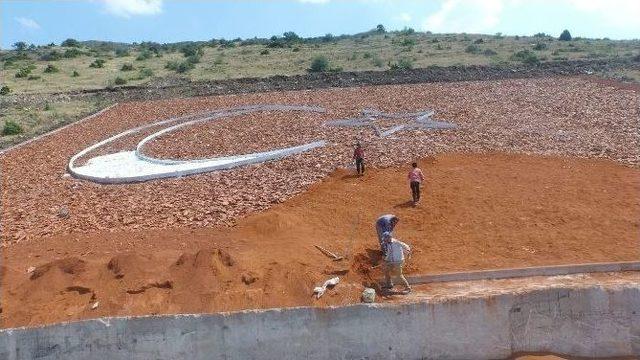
415	178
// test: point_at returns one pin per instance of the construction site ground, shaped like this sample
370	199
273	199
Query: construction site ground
543	175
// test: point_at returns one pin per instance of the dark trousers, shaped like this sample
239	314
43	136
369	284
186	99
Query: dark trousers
360	166
415	191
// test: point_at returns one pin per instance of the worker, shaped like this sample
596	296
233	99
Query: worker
358	156
415	178
385	223
394	261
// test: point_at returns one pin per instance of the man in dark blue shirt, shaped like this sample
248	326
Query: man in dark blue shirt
385	223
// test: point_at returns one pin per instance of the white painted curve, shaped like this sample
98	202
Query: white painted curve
134	166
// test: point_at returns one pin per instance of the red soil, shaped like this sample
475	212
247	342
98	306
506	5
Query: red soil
478	212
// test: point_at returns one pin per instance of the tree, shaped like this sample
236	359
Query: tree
20	45
71	43
319	64
565	36
380	28
290	37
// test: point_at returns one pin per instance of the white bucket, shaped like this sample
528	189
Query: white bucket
369	295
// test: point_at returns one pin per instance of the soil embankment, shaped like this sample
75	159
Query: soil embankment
478	212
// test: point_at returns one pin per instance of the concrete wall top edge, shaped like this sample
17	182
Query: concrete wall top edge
438	300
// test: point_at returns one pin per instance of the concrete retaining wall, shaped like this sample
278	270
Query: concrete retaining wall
596	321
551	270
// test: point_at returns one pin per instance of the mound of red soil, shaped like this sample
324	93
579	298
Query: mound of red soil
478	212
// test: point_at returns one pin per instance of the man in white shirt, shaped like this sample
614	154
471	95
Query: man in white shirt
394	261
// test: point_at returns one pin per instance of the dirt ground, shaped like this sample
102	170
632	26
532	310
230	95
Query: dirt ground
479	211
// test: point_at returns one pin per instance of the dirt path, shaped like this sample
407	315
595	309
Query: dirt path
479	212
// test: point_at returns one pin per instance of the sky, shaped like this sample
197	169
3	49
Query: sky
43	22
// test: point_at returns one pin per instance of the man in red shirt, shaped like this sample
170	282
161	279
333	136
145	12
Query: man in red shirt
358	155
415	178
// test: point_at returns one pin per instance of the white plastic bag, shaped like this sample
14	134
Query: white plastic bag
320	290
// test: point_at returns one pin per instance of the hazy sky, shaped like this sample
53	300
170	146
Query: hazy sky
42	22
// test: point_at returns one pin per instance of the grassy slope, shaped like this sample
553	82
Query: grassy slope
349	54
41	118
373	52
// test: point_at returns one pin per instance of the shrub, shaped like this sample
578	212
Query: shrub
402	64
224	44
478	41
144	55
327	38
407	31
498	35
276	42
565	36
540	34
5	90
126	67
51	69
408	42
47	106
405	63
526	56
377	62
72	53
193	59
11	128
290	37
539	46
219	60
366	55
489	52
145	73
264	52
24	72
20	45
472	49
319	64
380	29
52	55
184	67
179	67
296	49
75	74
70	43
97	63
191	50
33	77
120	81
122	52
171	65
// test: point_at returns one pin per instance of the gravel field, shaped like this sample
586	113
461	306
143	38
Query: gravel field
549	116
